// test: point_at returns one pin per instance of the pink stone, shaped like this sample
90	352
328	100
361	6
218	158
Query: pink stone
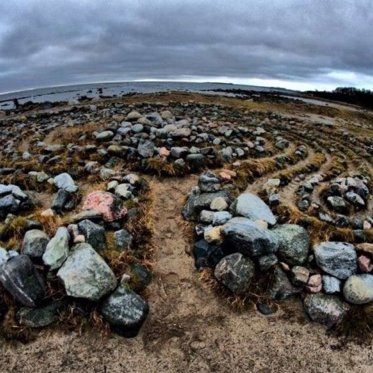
227	175
164	152
105	203
314	284
365	263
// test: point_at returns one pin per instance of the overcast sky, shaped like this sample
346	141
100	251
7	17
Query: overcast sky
297	44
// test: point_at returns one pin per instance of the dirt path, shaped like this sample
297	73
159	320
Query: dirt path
189	328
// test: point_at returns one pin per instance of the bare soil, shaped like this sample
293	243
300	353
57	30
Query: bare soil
190	328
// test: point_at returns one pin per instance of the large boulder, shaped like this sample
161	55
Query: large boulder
252	207
338	259
247	237
34	243
19	276
358	289
294	243
57	249
107	204
86	275
235	272
125	311
325	309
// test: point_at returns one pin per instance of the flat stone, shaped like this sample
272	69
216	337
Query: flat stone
252	207
57	249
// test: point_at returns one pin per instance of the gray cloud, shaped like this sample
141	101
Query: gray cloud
48	42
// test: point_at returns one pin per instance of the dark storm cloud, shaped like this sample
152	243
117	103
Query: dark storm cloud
48	42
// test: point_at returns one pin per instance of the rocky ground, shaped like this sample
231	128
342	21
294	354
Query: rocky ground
109	220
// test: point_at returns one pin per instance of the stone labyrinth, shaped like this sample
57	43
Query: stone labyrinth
283	208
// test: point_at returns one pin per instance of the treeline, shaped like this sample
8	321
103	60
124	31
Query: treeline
350	95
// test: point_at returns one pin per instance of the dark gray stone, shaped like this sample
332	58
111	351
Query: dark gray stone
235	272
123	240
125	311
22	280
281	287
94	234
245	236
34	243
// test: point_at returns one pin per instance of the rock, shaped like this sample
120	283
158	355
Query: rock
181	132
86	275
281	288
355	199
337	203
106	204
8	204
266	309
336	258
66	182
123	240
209	182
57	249
125	311
60	200
331	284
213	235
198	202
23	281
3	256
94	234
140	277
133	116
365	264
358	289
251	206
164	152
124	191
104	136
221	217
235	272
300	275
206	255
324	309
294	243
179	152
267	261
146	149
314	284
38	317
206	217
218	204
245	236
34	243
